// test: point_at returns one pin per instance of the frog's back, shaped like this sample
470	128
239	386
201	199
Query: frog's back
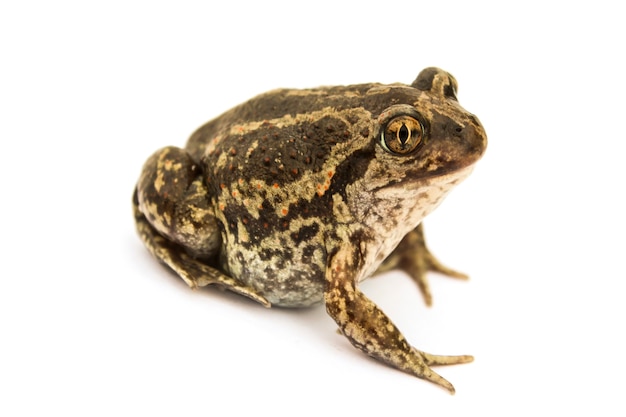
282	104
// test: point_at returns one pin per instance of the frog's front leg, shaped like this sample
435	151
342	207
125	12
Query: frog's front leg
413	257
176	222
368	328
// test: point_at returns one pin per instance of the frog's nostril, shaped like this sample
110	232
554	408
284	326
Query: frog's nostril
458	129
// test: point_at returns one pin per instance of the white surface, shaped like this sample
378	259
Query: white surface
92	325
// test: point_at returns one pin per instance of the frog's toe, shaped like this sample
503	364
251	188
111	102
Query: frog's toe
438	360
197	274
419	268
435	378
436	266
204	275
427	360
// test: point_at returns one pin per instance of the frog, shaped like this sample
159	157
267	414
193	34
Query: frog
296	196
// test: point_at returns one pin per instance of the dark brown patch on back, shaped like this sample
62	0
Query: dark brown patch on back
282	155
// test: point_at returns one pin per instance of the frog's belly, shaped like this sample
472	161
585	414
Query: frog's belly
284	280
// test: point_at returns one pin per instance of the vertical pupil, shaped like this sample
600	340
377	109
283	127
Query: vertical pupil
403	134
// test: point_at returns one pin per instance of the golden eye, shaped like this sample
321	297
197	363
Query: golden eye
402	135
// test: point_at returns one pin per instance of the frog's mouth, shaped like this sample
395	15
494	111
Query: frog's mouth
418	182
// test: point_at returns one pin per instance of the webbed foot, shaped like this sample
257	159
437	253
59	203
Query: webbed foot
413	257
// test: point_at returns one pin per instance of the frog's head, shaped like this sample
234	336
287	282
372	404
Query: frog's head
425	134
423	144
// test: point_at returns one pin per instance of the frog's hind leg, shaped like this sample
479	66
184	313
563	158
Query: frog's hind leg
176	222
193	272
413	257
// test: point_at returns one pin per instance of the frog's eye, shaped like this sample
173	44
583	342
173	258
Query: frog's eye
402	135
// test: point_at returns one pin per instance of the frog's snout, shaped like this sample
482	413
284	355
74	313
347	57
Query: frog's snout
476	137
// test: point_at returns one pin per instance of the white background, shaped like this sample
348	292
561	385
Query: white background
90	324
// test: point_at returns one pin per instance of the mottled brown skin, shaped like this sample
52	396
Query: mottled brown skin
296	196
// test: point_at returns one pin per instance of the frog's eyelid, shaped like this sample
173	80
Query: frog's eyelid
383	142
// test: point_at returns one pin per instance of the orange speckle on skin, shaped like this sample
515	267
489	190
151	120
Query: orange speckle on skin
221	205
276	185
284	211
240	181
330	174
258	186
222	186
235	193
